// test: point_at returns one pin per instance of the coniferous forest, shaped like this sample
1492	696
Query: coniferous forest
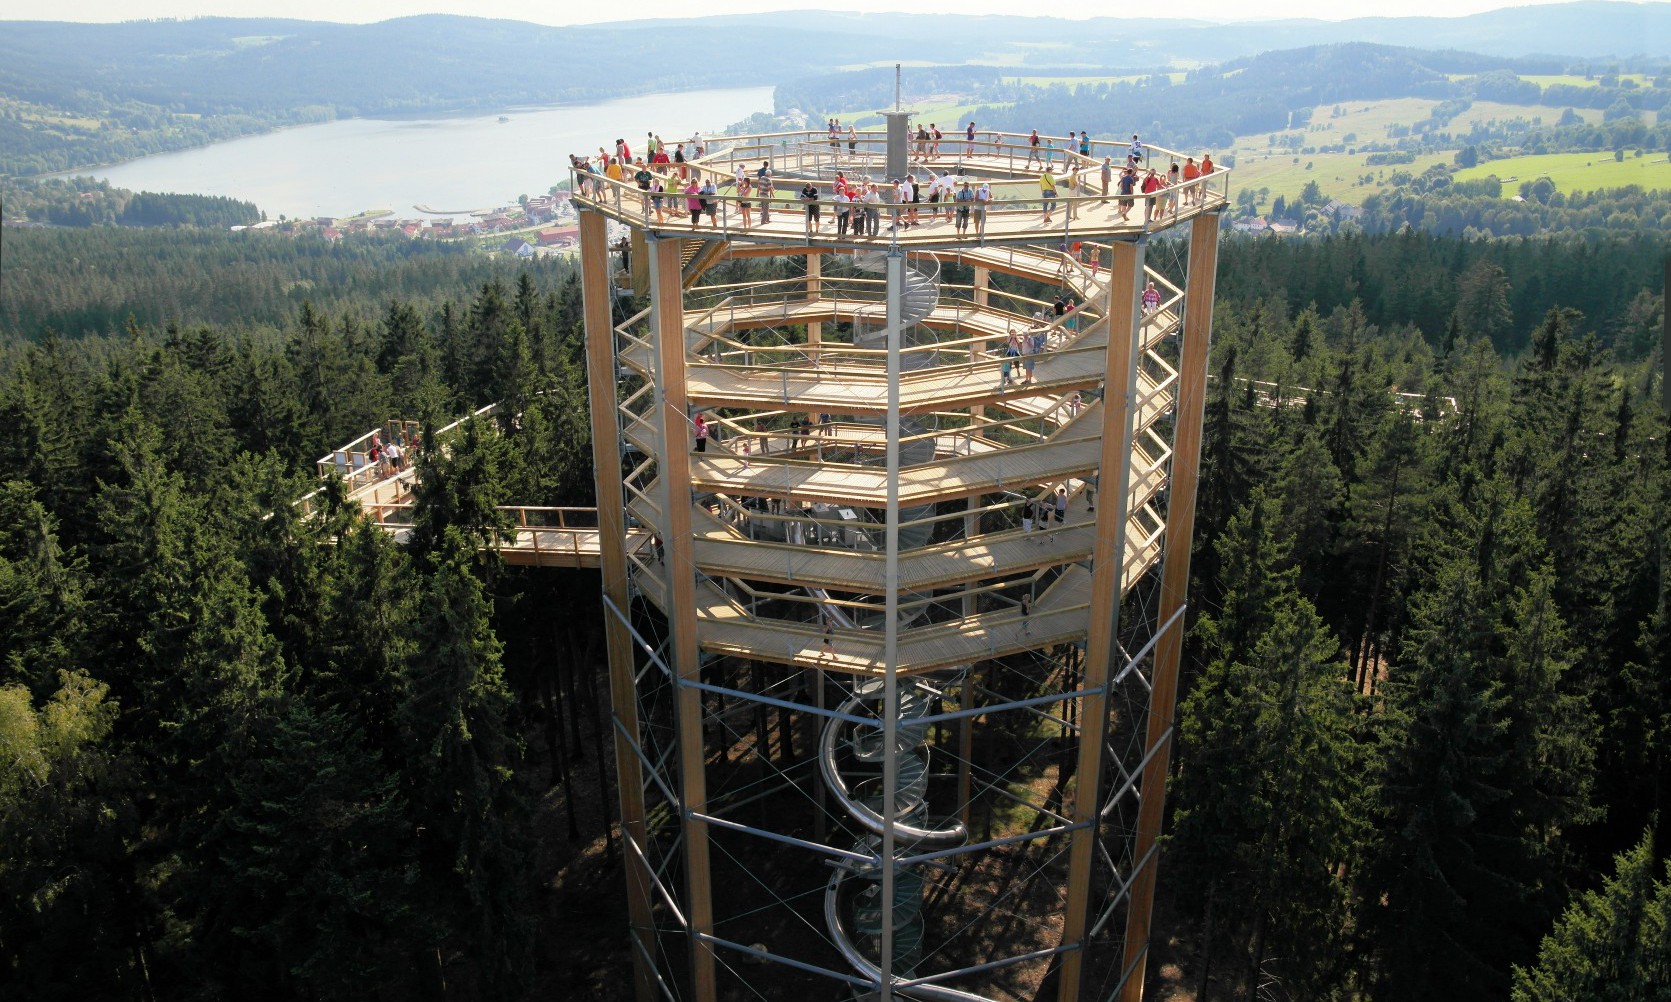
1425	731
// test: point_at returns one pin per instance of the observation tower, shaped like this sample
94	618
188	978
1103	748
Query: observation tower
893	653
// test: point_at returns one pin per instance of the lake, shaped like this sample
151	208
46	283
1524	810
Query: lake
450	164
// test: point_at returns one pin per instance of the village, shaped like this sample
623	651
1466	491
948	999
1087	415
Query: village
534	227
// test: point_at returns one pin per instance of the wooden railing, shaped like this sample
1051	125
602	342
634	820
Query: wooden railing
809	155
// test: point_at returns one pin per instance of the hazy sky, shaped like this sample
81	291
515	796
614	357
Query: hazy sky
580	12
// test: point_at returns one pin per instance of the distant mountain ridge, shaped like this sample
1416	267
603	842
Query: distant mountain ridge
75	94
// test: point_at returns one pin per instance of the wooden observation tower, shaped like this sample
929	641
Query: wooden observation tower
894	636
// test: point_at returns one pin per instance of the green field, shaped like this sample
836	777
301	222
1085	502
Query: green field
1338	175
1577	171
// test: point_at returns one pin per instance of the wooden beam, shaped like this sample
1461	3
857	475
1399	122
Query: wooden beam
667	319
598	298
1102	648
814	290
1174	586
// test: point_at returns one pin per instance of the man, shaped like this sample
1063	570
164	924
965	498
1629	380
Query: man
873	209
1151	186
809	195
1192	172
1136	154
1032	148
1128	185
1107	174
1047	193
969	140
642	178
965	199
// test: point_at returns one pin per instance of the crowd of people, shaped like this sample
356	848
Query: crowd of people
667	179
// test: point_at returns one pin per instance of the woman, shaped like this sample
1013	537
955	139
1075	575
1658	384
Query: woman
701	434
657	189
1047	193
852	141
1012	351
693	202
744	186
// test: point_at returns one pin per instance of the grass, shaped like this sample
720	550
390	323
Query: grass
1578	171
1337	174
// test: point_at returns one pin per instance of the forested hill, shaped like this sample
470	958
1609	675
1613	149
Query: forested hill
72	95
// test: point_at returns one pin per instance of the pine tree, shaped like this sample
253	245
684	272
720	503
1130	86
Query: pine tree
1612	944
1268	764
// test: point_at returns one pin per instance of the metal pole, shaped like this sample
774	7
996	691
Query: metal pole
890	635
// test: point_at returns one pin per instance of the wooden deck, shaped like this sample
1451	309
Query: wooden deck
1015	217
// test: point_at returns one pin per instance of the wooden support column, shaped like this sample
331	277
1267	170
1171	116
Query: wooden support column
966	725
668	320
1107	560
977	349
814	289
598	298
1174	586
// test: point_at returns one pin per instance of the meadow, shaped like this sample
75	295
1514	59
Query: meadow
1577	171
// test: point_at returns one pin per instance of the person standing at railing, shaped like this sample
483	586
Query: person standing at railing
1206	170
1047	193
1084	143
1070	181
679	162
969	140
983	199
1151	299
657	189
1134	156
843	205
965	199
1012	352
701	434
934	130
613	171
693	201
1128	185
1172	182
809	195
642	177
1030	356
1151	186
852	141
1192	171
710	201
1107	174
744	188
873	210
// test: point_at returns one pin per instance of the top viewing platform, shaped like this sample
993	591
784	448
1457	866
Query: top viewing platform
998	187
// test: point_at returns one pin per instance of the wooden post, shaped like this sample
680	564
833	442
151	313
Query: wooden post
598	299
668	319
814	290
1174	585
1107	563
966	725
